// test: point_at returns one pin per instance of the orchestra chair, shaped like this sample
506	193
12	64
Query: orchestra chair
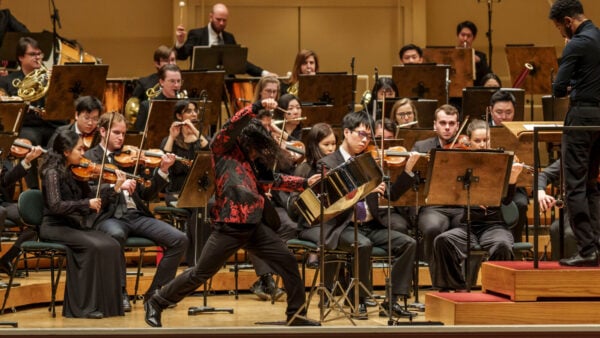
177	217
31	206
141	244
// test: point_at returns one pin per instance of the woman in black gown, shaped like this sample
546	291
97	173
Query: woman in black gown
93	286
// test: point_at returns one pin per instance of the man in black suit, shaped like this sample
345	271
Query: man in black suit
433	220
130	216
372	230
212	34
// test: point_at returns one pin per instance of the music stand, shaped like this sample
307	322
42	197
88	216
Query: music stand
195	82
425	112
159	121
11	40
321	89
230	58
462	66
422	81
68	82
411	135
555	108
199	186
465	178
477	99
11	115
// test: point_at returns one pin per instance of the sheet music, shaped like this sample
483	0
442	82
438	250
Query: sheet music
529	127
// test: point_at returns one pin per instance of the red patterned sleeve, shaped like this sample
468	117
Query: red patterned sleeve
226	138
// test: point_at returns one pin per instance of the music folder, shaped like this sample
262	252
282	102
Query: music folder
230	58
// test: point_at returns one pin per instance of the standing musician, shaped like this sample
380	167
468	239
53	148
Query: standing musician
212	34
93	286
578	73
488	229
129	216
306	63
466	32
87	113
243	154
8	207
433	220
170	84
163	55
372	230
34	127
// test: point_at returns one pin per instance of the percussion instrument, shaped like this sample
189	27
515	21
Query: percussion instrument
343	186
68	52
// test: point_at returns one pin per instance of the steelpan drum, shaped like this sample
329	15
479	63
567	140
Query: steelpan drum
343	186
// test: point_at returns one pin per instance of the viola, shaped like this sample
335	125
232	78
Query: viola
88	170
22	147
460	142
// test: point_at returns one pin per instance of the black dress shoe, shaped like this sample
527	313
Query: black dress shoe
362	312
397	311
95	315
153	312
579	260
126	305
369	302
299	321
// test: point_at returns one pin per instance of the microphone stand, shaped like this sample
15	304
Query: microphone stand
353	102
55	21
374	96
488	34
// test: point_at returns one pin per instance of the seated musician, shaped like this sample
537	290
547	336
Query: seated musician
243	155
8	207
383	88
184	140
372	231
433	220
488	227
87	112
411	54
212	34
170	84
306	63
94	260
33	127
491	80
129	216
502	109
466	32
163	55
293	125
404	112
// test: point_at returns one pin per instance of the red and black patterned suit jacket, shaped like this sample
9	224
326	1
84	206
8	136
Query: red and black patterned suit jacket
239	196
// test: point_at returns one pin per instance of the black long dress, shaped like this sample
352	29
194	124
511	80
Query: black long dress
93	259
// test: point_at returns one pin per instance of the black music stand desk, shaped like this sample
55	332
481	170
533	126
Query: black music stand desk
230	58
466	178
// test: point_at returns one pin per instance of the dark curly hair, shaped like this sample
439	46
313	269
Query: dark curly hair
562	8
255	137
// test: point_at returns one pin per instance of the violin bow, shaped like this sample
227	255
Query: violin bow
139	155
462	126
103	164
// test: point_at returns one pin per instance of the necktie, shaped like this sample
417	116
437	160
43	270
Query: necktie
361	211
111	158
219	40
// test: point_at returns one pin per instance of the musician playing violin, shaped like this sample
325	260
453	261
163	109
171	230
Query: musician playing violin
372	230
433	220
243	154
87	113
489	230
129	215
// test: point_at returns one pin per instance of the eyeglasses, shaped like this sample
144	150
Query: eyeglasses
88	119
363	134
404	115
35	54
191	111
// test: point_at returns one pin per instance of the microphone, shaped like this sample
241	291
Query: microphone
407	124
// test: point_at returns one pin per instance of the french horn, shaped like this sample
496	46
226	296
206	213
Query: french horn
34	85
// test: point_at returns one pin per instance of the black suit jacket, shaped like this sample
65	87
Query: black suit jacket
199	37
8	23
142	193
426	145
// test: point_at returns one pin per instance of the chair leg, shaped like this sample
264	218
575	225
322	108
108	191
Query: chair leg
10	281
137	275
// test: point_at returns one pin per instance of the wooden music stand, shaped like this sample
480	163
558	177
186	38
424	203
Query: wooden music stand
426	112
555	108
462	66
161	117
11	115
543	60
327	89
195	82
411	135
477	99
68	82
6	141
421	81
409	198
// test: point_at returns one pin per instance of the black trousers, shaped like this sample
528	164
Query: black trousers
433	221
173	241
581	158
223	242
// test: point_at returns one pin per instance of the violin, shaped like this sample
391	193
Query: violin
392	156
461	141
150	158
296	149
87	140
88	170
21	147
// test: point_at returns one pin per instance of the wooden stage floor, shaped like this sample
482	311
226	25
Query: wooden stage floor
35	320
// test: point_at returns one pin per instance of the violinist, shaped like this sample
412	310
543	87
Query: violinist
243	155
372	230
385	128
129	215
306	63
8	207
433	220
169	78
93	286
87	113
489	230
